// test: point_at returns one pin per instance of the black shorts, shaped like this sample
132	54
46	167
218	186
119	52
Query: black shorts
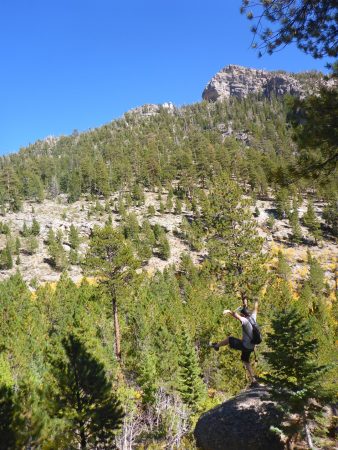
237	344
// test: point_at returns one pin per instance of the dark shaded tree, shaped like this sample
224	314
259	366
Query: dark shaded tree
85	399
315	124
7	411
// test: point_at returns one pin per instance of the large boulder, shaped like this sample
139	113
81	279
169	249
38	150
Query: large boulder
241	423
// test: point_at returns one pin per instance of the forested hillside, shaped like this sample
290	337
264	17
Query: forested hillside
150	227
249	138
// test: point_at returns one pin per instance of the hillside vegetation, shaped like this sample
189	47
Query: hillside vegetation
121	247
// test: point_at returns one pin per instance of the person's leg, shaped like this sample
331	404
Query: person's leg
217	345
250	371
224	342
245	357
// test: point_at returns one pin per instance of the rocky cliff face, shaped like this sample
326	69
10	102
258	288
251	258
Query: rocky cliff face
241	81
242	423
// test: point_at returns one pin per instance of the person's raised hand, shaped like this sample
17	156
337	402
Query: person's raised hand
226	311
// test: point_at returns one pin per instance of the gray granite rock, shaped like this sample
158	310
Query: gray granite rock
241	423
151	109
238	81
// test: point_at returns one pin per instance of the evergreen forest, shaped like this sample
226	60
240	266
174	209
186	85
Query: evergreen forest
120	356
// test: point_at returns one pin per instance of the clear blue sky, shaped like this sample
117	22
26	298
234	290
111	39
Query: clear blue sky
77	64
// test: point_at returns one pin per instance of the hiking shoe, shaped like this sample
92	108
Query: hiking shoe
260	380
215	346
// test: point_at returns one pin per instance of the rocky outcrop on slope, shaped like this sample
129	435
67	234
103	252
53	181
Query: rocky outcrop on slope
238	81
241	423
152	109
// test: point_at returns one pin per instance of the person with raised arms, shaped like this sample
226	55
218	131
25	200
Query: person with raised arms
251	336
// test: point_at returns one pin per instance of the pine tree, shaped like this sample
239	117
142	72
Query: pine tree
25	230
31	420
138	195
270	222
235	248
74	186
32	244
144	250
311	26
311	222
74	238
330	215
190	386
16	203
178	207
121	208
101	178
162	208
151	211
148	232
7	410
193	233
316	279
282	203
296	235
59	236
148	376
110	258
74	242
169	204
283	268
6	229
56	251
35	228
163	247
295	376
6	260
50	237
131	226
84	397
158	231
17	245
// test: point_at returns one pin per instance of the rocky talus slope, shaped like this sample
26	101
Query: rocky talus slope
238	81
241	423
59	215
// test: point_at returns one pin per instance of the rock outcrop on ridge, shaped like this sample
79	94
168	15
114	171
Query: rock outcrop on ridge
151	109
238	81
241	423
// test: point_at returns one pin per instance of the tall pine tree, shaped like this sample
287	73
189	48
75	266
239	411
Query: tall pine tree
110	258
235	248
190	386
85	399
295	375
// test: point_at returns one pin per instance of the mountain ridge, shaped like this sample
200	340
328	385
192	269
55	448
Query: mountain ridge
232	81
241	81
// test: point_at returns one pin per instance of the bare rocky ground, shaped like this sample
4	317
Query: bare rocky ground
58	214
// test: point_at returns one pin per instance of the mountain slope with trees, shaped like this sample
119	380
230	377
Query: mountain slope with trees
149	227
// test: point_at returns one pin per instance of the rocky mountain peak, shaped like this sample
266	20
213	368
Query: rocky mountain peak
239	81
